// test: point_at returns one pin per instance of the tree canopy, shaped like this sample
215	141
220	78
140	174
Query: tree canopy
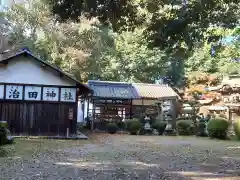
131	40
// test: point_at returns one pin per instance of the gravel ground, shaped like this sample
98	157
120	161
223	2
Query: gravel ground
113	157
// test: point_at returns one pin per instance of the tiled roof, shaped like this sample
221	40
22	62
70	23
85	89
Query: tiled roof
108	89
155	91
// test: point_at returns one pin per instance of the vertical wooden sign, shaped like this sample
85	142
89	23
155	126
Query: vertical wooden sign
70	114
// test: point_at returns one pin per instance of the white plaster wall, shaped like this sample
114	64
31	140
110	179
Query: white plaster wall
28	71
80	117
86	107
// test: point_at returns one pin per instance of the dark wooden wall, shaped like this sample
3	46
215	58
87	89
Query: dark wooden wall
38	118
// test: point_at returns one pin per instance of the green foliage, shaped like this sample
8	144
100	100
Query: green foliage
185	127
168	22
133	56
160	126
3	124
112	128
3	136
217	128
133	126
140	41
77	48
237	129
3	133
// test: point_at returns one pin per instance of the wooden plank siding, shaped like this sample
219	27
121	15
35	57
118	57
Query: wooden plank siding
38	118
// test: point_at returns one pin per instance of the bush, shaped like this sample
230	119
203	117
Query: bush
185	127
201	129
133	126
237	129
3	133
217	128
160	127
112	128
3	124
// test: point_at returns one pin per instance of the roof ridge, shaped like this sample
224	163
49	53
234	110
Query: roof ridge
151	84
108	82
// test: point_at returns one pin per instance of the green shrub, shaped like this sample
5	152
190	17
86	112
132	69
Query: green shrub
160	127
3	136
3	124
112	128
201	129
3	133
142	130
4	139
217	128
185	127
237	129
133	126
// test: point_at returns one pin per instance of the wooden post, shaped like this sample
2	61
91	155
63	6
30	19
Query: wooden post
88	107
67	132
231	128
93	116
131	109
174	116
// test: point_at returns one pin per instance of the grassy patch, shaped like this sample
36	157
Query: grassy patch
27	148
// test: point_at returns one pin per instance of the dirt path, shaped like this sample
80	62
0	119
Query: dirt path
133	157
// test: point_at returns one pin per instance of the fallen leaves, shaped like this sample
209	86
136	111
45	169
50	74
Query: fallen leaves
125	157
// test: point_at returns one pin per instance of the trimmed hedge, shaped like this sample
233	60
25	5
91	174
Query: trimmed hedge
160	127
3	133
217	128
133	126
112	128
185	127
237	129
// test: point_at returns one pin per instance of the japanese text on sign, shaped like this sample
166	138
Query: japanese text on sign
50	94
14	92
32	93
68	94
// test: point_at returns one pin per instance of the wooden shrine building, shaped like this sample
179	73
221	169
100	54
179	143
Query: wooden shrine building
37	98
160	98
118	101
111	102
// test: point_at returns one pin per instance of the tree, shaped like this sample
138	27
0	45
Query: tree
104	10
216	56
74	47
168	22
141	40
132	60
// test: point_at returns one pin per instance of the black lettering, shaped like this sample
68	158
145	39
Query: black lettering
33	95
51	94
14	93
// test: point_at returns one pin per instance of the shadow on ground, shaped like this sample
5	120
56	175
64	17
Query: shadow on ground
139	170
124	157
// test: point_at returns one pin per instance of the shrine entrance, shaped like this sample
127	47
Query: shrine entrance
38	110
37	98
28	118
